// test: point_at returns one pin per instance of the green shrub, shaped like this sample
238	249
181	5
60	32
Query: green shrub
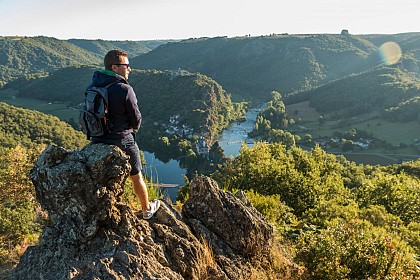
411	234
301	178
326	211
271	207
20	226
356	250
379	217
17	219
399	194
184	191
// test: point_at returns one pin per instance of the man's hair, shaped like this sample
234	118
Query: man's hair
113	57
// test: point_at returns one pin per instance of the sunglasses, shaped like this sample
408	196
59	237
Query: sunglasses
122	64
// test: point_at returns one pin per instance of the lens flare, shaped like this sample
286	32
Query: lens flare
390	53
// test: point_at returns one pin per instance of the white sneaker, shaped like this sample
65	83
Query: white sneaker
153	207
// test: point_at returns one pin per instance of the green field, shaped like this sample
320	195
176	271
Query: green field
378	158
391	132
370	159
60	110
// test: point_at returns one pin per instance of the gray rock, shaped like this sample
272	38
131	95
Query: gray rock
92	234
238	234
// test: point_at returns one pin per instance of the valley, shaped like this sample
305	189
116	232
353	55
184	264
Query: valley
332	132
402	138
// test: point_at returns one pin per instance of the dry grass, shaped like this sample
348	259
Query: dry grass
10	254
206	262
178	206
281	265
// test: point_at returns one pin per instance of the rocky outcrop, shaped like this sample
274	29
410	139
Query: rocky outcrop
237	233
92	234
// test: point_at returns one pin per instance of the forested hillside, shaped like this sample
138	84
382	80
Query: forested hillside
132	48
251	67
340	76
28	128
21	56
410	47
409	42
101	47
248	67
65	85
377	90
199	102
23	136
194	100
35	56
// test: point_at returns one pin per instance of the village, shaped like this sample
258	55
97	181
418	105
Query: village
173	127
327	143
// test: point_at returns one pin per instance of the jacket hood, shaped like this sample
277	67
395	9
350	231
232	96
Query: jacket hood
105	77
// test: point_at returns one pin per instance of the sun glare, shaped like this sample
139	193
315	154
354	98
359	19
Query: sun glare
390	53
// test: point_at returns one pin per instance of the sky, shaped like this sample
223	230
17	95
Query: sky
183	19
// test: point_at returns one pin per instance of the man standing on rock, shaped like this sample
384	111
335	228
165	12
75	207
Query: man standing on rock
125	117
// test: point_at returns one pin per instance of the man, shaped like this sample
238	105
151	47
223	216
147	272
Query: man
125	118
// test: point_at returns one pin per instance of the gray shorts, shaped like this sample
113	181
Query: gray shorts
129	146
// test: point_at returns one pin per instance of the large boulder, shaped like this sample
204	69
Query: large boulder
92	234
237	232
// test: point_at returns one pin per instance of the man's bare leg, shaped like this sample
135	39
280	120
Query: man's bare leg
140	190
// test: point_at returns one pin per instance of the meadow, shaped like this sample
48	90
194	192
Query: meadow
393	133
60	110
399	135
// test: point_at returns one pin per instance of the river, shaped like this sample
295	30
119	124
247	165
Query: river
232	137
165	173
230	141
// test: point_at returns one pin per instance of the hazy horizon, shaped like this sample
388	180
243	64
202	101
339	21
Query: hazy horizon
183	19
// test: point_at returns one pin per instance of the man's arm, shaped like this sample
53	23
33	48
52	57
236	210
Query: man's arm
133	109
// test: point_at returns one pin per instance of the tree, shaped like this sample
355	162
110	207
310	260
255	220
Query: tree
216	153
350	134
347	145
355	249
292	122
285	137
307	138
321	120
20	215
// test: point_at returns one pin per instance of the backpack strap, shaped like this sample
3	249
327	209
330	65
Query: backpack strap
106	87
108	123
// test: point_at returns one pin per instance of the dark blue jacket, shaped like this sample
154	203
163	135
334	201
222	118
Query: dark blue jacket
123	111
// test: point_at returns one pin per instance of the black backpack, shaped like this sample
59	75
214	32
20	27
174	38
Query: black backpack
93	118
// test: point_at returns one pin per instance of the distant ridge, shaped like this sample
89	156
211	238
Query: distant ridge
251	67
377	89
34	56
101	47
20	56
313	67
